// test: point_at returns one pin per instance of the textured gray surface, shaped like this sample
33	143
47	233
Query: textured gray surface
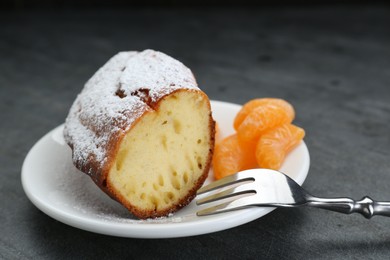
332	63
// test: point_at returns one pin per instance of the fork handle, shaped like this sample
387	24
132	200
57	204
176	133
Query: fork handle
366	206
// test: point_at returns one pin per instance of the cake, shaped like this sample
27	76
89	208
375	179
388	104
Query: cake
143	131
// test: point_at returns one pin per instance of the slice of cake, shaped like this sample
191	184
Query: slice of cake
143	131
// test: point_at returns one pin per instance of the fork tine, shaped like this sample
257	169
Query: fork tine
224	182
244	189
241	203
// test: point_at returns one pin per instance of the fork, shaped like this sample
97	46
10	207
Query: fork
270	188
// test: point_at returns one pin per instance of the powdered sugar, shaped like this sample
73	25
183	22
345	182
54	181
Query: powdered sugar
157	72
118	94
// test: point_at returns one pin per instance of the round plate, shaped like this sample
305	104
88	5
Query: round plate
57	188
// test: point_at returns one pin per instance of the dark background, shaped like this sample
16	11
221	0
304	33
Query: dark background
330	59
59	4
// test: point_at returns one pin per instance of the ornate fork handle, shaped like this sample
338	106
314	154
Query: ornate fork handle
366	206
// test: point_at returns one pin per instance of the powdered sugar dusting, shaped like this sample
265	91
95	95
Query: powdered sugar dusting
119	93
155	71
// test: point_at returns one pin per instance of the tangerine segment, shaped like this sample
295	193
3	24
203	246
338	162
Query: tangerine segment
254	103
217	135
263	118
229	157
274	145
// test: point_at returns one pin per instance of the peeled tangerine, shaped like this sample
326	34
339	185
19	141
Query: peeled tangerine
260	115
275	144
230	157
248	107
264	137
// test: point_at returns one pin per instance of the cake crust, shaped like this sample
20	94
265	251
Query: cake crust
129	86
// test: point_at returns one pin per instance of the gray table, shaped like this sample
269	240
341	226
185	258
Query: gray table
331	62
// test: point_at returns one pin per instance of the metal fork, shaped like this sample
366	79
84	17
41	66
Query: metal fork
269	188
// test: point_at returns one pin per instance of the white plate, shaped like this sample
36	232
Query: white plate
57	188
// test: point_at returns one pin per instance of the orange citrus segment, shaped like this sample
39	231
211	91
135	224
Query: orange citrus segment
264	136
217	132
229	157
275	144
265	117
254	103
